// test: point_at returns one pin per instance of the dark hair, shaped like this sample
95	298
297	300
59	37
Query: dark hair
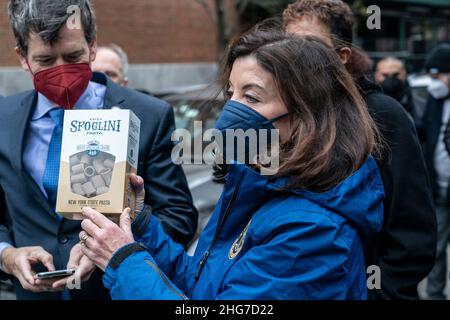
331	129
335	14
46	18
338	17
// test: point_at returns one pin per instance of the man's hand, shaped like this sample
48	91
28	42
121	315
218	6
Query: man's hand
18	262
83	265
104	237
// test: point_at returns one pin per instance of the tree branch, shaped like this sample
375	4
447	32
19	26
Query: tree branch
241	5
208	10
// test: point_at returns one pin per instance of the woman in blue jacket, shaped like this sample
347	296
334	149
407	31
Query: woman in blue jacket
295	235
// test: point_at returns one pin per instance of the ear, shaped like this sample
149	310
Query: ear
446	79
22	59
125	82
378	76
403	75
93	50
345	54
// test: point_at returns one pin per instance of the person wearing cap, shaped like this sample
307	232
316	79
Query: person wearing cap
437	154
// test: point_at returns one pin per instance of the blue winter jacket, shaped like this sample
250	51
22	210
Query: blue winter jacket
262	242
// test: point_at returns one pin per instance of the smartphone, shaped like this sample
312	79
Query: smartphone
55	274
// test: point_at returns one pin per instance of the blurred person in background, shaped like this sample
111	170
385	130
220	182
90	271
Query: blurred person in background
391	75
405	249
112	60
437	154
33	237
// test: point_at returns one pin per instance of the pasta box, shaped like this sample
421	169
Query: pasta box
100	149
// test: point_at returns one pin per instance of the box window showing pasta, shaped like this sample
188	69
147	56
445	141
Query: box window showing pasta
99	151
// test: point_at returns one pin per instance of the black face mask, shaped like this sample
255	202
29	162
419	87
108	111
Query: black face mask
394	87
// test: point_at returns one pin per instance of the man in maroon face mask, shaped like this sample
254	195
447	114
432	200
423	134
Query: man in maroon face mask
56	43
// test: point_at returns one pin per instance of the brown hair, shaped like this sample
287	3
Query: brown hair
332	132
338	17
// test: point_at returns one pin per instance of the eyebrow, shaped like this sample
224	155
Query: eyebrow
76	53
47	56
252	85
42	56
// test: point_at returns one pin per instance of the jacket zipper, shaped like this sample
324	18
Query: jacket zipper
163	277
217	234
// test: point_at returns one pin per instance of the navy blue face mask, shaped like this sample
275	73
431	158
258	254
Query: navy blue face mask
236	115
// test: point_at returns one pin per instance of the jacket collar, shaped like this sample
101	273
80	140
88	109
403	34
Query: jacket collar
92	98
367	86
358	198
114	93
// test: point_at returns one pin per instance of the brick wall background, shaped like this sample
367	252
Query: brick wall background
7	56
151	31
